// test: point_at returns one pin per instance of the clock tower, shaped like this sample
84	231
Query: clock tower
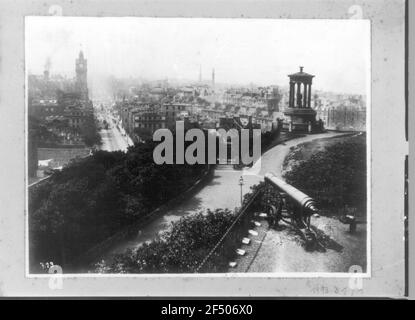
81	76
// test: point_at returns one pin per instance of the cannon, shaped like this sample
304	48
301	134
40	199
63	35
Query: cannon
303	200
287	203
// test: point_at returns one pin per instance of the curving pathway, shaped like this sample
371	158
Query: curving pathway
222	191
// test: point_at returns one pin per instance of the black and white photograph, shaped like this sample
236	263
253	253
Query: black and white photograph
261	128
191	149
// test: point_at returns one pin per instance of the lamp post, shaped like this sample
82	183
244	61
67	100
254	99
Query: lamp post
241	183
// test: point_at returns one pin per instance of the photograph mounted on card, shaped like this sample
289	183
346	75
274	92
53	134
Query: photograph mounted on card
173	146
250	150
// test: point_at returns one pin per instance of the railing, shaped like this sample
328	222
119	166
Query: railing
101	249
218	258
281	202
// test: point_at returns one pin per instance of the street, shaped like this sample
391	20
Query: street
222	191
114	138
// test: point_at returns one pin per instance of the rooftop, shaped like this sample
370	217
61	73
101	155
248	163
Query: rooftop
301	74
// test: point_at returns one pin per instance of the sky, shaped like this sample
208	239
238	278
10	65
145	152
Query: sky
242	51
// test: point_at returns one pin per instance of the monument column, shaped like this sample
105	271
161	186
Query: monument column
291	99
298	95
305	96
309	95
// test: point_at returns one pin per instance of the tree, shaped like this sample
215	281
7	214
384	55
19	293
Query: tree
144	134
90	133
336	176
179	250
93	198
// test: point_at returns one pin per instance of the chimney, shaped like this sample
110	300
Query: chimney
47	69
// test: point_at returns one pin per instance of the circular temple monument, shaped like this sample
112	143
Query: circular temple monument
300	117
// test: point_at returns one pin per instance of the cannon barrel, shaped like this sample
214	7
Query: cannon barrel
303	200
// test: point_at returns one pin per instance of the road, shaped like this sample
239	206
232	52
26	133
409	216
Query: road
273	159
223	191
114	139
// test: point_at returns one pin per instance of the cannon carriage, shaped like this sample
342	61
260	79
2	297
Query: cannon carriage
283	202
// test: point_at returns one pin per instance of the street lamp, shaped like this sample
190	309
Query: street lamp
241	183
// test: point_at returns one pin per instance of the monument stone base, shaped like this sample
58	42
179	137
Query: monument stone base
302	120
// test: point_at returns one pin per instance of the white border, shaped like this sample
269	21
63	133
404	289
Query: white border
277	275
369	110
26	139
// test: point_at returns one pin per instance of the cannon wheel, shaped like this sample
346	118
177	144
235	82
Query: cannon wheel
310	240
273	205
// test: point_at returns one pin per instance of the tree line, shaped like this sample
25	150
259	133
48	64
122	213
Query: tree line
335	176
92	198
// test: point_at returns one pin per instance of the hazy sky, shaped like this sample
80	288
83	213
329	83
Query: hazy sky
242	51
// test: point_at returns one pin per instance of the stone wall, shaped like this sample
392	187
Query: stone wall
61	156
93	254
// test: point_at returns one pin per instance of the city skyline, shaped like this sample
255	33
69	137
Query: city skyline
156	49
